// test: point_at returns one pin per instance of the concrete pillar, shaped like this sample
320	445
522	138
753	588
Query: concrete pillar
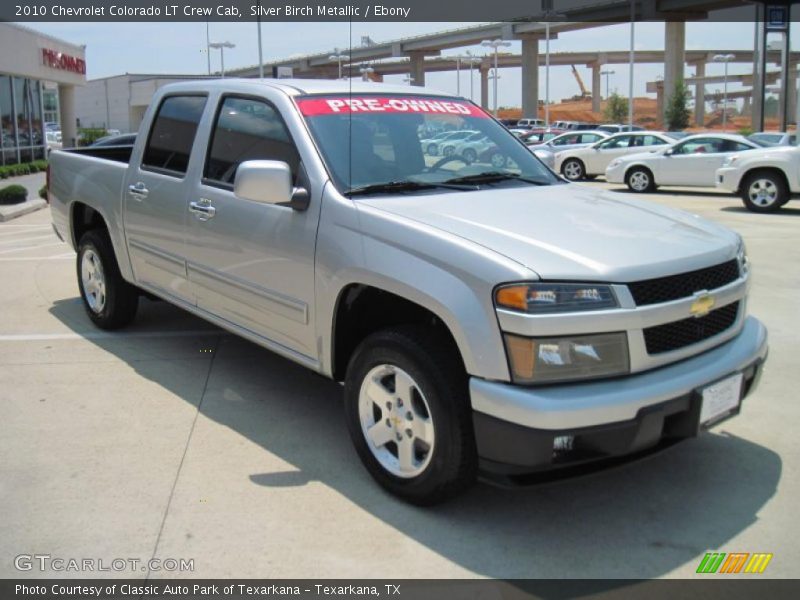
66	100
746	108
674	56
484	87
530	76
700	95
660	104
596	95
418	68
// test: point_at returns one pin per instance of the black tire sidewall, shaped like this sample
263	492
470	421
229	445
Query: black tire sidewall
121	297
431	378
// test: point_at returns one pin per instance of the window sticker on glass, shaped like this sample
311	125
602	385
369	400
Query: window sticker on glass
311	107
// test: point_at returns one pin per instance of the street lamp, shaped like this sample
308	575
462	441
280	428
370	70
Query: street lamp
408	79
221	47
339	57
724	58
495	45
471	60
607	74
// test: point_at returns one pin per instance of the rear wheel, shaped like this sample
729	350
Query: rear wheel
109	300
469	155
432	149
764	191
573	169
408	413
640	180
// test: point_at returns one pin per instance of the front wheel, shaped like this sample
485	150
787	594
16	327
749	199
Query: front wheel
640	180
573	169
408	413
764	192
109	300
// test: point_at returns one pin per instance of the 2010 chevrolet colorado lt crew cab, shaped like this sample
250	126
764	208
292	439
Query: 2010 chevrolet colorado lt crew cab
482	317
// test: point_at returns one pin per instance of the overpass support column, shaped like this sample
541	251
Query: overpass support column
485	87
530	76
674	56
69	128
660	104
417	68
596	95
700	95
791	92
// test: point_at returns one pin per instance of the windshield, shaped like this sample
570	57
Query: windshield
370	142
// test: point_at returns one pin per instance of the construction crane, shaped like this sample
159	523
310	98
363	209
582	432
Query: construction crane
585	94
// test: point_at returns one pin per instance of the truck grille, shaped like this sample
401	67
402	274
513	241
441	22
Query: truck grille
674	287
678	334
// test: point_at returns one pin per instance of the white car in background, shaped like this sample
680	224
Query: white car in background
433	146
766	178
573	139
590	161
455	145
473	147
692	161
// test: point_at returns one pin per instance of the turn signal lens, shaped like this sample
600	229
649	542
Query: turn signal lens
515	296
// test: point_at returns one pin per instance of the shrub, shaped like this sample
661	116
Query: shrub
677	115
23	169
745	131
89	136
13	194
616	108
43	192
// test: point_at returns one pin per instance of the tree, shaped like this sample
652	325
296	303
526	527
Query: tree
678	115
616	108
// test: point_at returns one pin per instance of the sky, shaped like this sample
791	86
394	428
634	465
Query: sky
116	48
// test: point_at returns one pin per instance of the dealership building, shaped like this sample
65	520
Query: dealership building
119	102
38	78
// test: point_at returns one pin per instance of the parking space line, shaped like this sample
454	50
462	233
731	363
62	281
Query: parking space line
102	335
31	247
26	258
27	239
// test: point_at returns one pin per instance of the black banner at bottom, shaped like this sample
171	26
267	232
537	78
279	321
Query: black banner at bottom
715	587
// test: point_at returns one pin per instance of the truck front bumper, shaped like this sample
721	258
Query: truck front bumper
523	430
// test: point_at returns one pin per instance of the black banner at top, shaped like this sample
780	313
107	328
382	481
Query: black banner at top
378	10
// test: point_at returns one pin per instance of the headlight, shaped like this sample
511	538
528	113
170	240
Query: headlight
741	258
569	358
729	160
537	298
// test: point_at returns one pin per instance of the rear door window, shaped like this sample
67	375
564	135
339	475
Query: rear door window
172	134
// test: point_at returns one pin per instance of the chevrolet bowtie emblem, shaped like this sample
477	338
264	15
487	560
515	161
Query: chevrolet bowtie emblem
702	305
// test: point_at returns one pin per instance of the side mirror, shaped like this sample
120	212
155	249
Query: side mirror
269	182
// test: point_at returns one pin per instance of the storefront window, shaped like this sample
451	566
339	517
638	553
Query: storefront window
9	152
37	124
22	106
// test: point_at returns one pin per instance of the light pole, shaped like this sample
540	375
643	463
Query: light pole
260	56
630	66
607	74
495	45
221	47
408	79
208	49
724	58
471	60
339	57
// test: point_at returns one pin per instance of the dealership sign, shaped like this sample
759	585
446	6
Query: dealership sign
63	62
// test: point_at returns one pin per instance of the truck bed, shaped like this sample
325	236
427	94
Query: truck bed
116	153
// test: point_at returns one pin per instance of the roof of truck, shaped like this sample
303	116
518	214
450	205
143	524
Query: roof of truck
296	87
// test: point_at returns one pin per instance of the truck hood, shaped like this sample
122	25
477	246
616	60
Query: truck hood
571	231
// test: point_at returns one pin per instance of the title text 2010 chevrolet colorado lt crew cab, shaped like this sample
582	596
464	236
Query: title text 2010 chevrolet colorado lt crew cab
483	316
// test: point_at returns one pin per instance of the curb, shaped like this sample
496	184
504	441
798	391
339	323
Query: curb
17	210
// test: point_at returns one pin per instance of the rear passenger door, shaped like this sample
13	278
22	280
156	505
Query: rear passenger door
252	264
155	193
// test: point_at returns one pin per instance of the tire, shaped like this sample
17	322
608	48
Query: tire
469	155
640	180
109	300
432	149
764	191
573	169
442	460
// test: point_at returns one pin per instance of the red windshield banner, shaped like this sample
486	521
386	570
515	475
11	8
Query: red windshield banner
312	107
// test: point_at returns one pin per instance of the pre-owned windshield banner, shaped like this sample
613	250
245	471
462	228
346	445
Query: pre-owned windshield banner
333	105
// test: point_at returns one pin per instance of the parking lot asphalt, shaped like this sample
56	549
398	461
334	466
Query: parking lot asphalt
173	439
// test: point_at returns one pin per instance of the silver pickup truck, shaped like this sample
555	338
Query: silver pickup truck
485	315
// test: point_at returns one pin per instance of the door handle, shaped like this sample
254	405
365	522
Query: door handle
202	209
138	190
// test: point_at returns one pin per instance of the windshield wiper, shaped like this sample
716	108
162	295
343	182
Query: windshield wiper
403	186
492	176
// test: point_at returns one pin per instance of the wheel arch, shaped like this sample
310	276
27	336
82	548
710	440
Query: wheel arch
772	168
642	166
